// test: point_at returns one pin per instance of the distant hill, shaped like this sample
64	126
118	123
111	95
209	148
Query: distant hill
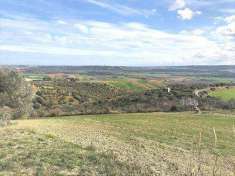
217	71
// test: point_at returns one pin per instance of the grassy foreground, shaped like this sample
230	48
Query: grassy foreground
121	144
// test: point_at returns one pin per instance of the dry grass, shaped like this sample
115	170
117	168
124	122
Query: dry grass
140	144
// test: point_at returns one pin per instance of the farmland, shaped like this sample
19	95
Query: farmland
121	144
225	94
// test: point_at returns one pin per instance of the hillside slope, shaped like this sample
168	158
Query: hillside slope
127	144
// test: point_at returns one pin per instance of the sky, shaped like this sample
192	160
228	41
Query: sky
117	32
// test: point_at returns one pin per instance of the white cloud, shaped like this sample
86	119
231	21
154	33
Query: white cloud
230	19
122	9
187	14
198	32
131	42
227	30
81	28
194	32
61	22
183	12
178	4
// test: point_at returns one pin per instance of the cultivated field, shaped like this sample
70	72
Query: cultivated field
225	94
120	144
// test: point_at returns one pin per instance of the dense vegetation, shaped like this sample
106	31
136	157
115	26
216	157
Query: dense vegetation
67	97
15	94
53	95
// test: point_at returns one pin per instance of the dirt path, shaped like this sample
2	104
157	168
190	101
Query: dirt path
197	92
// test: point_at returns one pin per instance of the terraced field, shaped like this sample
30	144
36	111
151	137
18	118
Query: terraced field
120	144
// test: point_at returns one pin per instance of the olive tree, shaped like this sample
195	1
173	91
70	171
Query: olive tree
15	93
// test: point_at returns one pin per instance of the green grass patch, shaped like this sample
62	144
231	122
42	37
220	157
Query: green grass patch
94	144
34	77
224	93
26	152
136	85
125	84
176	129
173	129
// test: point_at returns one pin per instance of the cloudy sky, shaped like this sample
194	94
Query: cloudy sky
117	32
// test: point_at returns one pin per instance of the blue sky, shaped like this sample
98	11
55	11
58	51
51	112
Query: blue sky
120	32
